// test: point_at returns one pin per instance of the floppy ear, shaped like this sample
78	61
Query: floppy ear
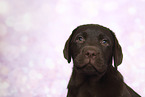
66	50
118	56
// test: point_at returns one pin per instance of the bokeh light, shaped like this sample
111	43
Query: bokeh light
33	34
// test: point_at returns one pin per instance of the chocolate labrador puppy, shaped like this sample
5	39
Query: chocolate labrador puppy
92	48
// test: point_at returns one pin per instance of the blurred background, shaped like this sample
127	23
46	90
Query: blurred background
33	34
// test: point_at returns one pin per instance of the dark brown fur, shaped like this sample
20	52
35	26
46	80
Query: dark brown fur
92	48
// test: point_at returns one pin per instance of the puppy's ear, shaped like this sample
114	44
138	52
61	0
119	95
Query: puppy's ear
66	50
118	56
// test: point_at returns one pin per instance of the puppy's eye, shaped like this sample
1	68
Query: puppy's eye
80	39
104	42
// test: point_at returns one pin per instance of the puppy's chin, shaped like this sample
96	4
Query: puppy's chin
89	69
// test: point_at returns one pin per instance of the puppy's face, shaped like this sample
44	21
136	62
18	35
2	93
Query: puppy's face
92	48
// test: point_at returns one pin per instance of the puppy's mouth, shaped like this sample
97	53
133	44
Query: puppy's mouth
89	68
89	65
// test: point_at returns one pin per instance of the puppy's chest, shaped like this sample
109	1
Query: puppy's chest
95	91
88	91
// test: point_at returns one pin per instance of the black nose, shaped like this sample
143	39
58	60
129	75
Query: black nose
90	53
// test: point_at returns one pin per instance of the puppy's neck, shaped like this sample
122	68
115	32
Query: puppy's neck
78	79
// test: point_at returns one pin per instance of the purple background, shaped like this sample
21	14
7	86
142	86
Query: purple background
33	34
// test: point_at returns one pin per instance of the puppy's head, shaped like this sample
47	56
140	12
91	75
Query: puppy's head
92	48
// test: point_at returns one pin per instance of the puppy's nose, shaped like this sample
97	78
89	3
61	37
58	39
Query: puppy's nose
90	53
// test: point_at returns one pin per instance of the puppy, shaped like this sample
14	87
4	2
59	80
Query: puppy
92	48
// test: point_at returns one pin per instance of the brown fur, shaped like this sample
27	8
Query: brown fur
92	48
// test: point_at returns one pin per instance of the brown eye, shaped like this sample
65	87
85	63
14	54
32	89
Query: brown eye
104	42
80	39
